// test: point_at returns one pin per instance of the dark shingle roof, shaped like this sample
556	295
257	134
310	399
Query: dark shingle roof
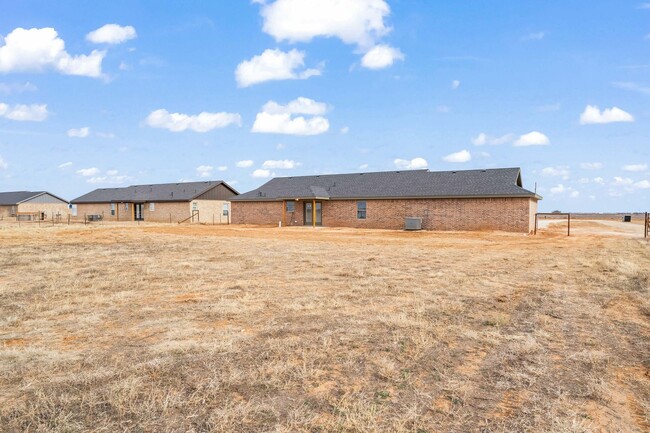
501	182
183	191
14	197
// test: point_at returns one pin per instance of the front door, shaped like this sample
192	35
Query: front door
309	213
138	214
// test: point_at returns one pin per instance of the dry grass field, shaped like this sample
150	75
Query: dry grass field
160	328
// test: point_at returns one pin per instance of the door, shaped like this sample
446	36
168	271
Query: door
309	213
138	210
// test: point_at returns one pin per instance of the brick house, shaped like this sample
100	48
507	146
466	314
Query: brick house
169	202
31	205
492	199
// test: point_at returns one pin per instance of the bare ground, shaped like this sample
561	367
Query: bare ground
236	329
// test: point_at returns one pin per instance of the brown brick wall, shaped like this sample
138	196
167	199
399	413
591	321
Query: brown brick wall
162	212
508	214
262	212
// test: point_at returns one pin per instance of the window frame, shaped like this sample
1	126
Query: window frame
293	206
152	207
113	209
226	209
362	211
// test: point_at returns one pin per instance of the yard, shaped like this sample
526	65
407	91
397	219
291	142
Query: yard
167	328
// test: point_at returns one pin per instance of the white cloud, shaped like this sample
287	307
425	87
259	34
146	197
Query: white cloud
260	173
455	84
222	168
536	36
363	166
483	139
245	163
112	172
644	6
622	181
203	122
559	171
593	115
443	109
109	135
17	87
583	180
3	164
112	180
591	165
381	56
65	165
644	184
635	87
280	164
534	138
359	22
461	156
79	133
635	167
273	65
21	112
277	119
204	170
86	172
35	50
558	189
112	34
599	180
574	194
413	164
280	146
299	105
548	108
345	130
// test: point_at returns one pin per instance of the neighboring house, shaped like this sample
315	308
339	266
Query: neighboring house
169	202
31	205
491	199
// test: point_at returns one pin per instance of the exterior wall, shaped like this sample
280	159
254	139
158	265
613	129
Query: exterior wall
48	209
163	211
105	209
6	211
220	192
259	212
211	210
531	215
507	214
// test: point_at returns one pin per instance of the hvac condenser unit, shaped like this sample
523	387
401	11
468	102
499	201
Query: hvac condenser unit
412	223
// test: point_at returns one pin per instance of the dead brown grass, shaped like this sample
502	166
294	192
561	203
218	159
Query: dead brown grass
234	329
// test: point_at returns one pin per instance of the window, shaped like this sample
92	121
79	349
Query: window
112	208
361	210
225	209
195	206
126	206
152	207
291	206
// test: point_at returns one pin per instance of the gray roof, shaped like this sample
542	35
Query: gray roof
501	182
13	198
182	191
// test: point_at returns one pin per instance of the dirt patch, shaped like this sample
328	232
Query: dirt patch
199	328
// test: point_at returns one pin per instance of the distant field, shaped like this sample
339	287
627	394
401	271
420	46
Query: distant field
111	328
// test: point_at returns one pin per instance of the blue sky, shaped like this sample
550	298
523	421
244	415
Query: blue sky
111	94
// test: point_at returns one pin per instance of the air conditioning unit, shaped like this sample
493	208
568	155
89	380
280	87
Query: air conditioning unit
413	223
